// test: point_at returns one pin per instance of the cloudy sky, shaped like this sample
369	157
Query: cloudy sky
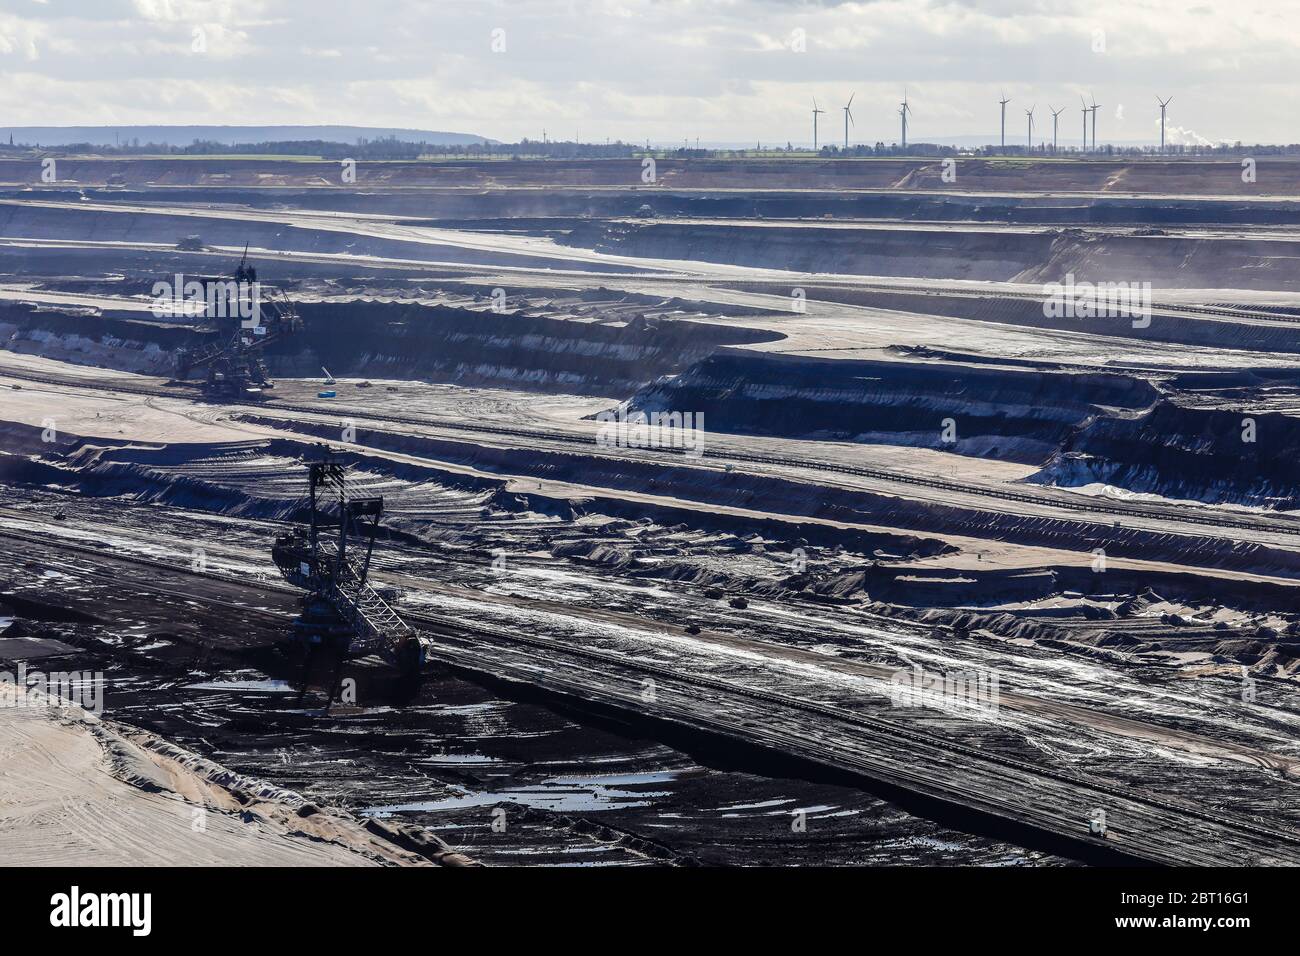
668	70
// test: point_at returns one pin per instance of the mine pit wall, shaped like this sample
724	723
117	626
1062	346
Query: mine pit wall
155	474
1119	640
1027	416
1008	414
1029	312
1187	452
967	253
1126	434
94	225
391	340
1164	261
158	474
1046	256
20	442
110	341
401	340
922	587
781	531
1188	177
545	211
788	497
1170	262
60	264
860	251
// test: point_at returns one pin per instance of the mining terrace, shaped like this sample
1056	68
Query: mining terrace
638	653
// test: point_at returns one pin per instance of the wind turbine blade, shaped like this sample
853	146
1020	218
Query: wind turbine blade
851	95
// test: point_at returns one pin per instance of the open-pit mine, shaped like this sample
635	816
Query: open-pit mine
753	512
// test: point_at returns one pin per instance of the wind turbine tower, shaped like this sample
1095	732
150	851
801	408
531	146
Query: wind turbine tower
848	118
1003	103
815	112
903	110
1163	104
1055	114
1030	113
1094	108
1085	122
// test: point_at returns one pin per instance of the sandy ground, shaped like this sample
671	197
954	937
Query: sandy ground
75	791
122	417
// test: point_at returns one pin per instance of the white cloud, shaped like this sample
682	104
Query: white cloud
664	69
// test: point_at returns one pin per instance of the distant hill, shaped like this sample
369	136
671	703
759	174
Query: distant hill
185	135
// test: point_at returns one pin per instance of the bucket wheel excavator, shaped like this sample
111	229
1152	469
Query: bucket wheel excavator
231	361
342	615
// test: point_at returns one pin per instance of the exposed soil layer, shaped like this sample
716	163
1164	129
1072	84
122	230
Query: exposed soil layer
860	251
401	340
1278	177
97	225
1212	454
434	508
1196	262
1012	414
558	209
1219	325
1113	429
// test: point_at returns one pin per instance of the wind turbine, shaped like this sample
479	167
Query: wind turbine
1095	107
1055	114
815	112
848	118
1163	104
1003	102
1085	122
1030	113
903	110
